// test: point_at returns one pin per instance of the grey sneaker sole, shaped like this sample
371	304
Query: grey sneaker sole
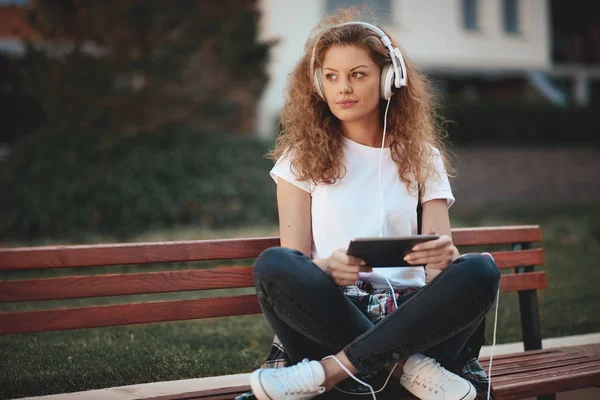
471	394
256	386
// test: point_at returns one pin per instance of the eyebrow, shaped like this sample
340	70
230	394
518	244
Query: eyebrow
364	66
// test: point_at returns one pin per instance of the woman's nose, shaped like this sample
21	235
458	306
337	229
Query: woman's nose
346	88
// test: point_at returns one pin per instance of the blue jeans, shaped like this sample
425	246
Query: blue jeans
313	318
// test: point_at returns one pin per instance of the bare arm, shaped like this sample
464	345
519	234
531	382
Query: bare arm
440	253
295	230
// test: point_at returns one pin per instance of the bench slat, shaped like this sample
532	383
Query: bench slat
201	250
526	281
549	382
496	235
518	258
131	253
175	281
126	314
73	287
505	373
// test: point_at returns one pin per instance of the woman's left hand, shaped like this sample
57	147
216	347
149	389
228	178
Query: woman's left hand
436	254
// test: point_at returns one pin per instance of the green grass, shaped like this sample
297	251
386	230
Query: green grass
58	362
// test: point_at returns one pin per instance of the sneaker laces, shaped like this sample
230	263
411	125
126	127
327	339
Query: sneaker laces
299	379
428	368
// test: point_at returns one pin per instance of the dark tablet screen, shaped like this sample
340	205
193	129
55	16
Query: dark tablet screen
386	252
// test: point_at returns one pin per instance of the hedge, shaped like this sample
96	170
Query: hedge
65	185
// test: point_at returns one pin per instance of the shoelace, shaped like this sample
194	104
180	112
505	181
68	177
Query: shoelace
427	369
298	381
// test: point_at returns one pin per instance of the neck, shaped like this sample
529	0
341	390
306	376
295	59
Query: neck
366	131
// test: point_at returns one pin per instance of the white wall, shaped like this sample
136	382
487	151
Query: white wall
430	32
289	21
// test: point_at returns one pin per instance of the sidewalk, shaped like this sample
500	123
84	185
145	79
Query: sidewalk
591	341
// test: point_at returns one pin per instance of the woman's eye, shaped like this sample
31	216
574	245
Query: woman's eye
330	77
358	74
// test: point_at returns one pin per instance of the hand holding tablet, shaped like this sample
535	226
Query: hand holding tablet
386	252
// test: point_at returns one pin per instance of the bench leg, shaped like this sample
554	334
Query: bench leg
530	315
530	319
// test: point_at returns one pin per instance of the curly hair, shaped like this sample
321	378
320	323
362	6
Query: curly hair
312	133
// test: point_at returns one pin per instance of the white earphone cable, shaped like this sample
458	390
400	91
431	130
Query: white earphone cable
359	381
494	335
381	199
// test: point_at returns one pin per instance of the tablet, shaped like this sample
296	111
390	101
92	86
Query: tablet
386	252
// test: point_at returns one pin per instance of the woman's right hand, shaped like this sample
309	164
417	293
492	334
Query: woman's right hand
343	268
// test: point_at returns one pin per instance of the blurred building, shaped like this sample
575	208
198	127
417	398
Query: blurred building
535	50
14	27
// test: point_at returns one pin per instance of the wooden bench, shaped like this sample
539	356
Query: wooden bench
534	372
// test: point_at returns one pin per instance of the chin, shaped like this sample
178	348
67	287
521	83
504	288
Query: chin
349	115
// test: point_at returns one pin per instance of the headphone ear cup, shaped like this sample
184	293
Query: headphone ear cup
318	78
386	84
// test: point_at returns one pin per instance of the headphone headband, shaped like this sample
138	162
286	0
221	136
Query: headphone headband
399	67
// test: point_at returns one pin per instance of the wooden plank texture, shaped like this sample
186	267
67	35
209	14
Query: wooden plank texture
496	235
124	314
526	281
216	278
122	284
144	253
518	258
131	253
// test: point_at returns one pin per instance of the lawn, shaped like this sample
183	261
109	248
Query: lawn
58	362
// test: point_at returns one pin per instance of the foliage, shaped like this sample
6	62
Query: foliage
65	185
137	65
21	113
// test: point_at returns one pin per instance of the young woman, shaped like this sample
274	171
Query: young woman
358	151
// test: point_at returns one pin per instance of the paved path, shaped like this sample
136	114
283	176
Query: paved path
591	342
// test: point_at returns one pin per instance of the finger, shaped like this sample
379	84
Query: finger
340	278
346	283
428	260
433	244
440	266
351	260
338	266
439	252
366	269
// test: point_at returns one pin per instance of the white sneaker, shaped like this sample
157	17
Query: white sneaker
298	382
428	380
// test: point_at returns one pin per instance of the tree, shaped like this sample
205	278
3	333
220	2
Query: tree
133	66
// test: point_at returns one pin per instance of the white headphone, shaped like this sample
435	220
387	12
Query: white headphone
393	76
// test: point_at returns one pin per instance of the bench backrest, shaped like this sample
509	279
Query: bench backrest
521	256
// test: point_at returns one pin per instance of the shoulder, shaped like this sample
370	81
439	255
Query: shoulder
284	168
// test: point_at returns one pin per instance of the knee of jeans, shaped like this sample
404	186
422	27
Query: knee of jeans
274	264
483	271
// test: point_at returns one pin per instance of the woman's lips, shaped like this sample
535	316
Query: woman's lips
346	103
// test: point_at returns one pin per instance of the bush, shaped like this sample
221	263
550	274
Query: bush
521	124
65	185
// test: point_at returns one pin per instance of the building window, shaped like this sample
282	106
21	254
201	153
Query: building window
382	9
470	13
510	13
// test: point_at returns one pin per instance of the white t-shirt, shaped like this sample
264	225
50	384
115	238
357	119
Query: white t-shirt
351	207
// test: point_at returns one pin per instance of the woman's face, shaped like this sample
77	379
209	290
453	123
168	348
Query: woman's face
351	83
